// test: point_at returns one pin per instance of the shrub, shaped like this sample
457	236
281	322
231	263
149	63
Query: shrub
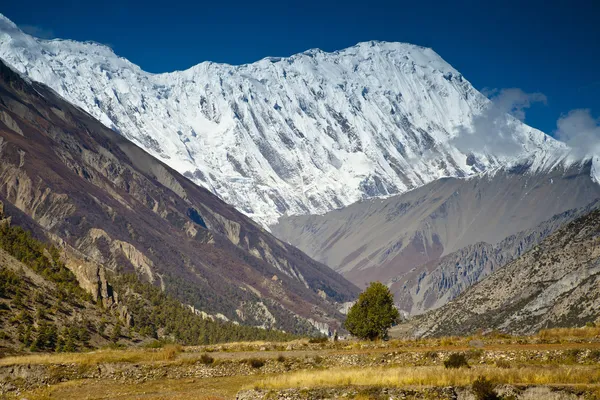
594	355
170	351
206	359
155	344
474	354
373	314
431	355
456	360
318	339
281	358
318	360
256	362
504	364
483	389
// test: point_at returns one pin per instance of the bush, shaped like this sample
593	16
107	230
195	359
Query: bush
206	359
474	354
318	339
373	314
504	364
594	355
483	389
280	358
456	360
256	362
155	344
170	351
572	355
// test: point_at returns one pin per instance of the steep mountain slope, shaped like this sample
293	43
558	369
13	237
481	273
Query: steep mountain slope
431	243
44	306
432	285
556	284
298	135
381	238
91	189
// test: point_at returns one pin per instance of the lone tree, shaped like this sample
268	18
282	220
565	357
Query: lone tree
373	314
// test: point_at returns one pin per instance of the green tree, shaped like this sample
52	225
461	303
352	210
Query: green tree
373	314
116	332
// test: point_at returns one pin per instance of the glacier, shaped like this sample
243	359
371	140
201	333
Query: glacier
285	135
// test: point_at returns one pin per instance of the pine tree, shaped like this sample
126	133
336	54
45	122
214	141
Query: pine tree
373	314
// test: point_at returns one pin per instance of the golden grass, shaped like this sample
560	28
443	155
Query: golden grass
569	333
250	346
433	376
172	353
222	388
168	353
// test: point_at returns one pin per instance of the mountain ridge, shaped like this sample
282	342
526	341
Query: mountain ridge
432	242
555	284
284	135
92	189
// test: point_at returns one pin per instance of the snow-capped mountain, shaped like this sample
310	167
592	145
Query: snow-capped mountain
297	135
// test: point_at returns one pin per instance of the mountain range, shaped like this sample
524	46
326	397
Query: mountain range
556	284
430	243
380	161
91	191
286	136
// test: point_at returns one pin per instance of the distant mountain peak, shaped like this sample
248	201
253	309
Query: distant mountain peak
302	134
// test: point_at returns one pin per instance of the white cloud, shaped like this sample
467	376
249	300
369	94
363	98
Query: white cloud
580	131
492	130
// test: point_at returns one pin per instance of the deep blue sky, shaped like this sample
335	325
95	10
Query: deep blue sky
552	47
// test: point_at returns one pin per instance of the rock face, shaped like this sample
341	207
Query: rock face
555	284
431	243
91	189
432	285
299	135
23	291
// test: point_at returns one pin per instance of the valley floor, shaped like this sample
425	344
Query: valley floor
557	364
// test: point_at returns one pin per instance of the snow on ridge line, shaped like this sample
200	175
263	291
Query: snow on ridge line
298	135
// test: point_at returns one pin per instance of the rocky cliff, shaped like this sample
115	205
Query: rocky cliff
555	284
92	189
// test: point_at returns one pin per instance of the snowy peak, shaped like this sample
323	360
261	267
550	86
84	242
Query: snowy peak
296	135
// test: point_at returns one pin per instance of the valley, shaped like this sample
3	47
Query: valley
361	223
564	364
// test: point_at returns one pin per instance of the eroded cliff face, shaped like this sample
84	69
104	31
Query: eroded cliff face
434	284
555	284
93	278
432	243
111	202
41	291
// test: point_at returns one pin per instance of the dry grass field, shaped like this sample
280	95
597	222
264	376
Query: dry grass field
567	358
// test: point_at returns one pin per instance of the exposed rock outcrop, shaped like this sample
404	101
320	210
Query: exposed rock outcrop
89	188
433	242
555	284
